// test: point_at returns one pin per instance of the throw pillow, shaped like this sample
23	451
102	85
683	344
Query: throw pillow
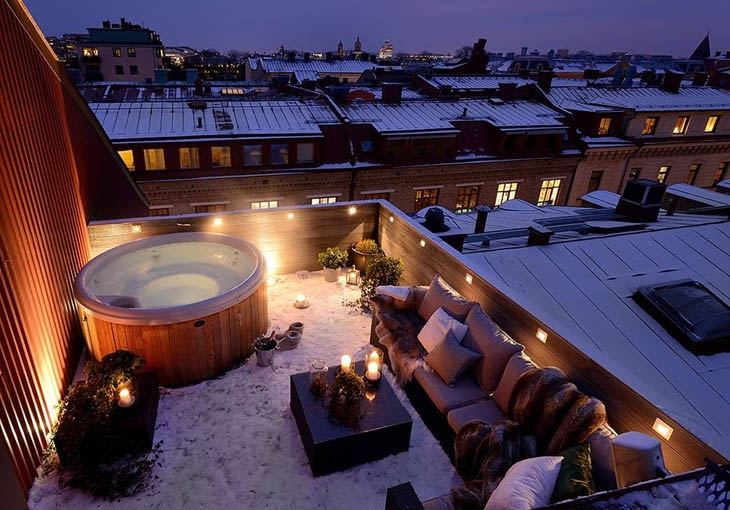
575	478
527	484
436	328
496	347
517	365
449	359
441	295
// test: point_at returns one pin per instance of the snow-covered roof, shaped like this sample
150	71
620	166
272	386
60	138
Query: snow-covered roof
467	82
306	74
275	65
700	195
725	184
125	91
649	99
581	286
601	198
130	121
605	141
428	115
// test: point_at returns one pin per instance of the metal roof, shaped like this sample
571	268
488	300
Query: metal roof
275	65
466	82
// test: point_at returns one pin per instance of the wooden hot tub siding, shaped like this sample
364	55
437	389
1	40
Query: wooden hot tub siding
184	353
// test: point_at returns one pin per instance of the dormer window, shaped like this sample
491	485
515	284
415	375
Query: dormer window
604	126
711	123
649	126
680	127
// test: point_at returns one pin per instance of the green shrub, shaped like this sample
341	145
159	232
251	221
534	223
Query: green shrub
381	270
332	258
367	246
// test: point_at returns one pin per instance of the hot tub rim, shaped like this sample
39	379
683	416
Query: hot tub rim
172	314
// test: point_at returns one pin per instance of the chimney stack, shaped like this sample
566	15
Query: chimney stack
524	51
507	90
699	79
641	200
544	80
538	235
307	56
591	74
291	56
328	56
481	223
392	92
479	58
672	82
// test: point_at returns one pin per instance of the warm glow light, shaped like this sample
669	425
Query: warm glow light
125	399
662	429
469	278
272	262
423	243
352	210
270	280
345	363
541	335
217	222
301	298
373	373
136	228
290	215
392	219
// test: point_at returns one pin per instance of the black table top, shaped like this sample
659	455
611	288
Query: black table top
385	410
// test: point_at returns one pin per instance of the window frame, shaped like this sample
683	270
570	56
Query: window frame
714	124
119	70
273	150
257	204
147	153
305	144
117	52
594	181
225	152
721	173
330	199
655	123
132	52
470	194
506	192
426	195
249	147
133	69
692	172
131	153
549	191
604	130
684	120
191	151
663	174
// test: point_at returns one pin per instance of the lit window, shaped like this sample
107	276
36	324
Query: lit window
721	173
252	155
595	181
604	126
425	198
324	200
549	191
305	152
680	127
154	159
210	208
117	52
128	158
189	157
649	125
133	70
466	199
377	196
711	124
119	69
265	204
131	52
692	174
159	211
220	156
90	52
662	175
506	191
279	154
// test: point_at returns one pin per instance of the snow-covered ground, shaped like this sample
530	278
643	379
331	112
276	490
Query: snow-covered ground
231	442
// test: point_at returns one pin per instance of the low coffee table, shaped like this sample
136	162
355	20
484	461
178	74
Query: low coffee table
385	428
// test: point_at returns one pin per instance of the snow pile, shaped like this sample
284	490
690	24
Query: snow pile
232	442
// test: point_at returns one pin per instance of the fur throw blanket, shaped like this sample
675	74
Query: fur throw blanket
397	329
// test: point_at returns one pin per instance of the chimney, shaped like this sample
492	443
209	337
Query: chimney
392	92
524	73
727	54
200	122
648	76
699	79
106	24
641	200
524	51
672	82
329	56
198	87
307	56
591	74
544	80
718	53
479	58
538	235
365	56
291	56
481	223
507	90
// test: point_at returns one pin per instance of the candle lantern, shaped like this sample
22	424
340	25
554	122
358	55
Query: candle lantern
352	276
126	398
318	377
301	301
345	363
374	355
372	375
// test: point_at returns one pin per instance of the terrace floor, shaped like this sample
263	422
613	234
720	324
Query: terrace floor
231	442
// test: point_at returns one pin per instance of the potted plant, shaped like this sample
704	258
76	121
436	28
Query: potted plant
331	260
363	252
383	270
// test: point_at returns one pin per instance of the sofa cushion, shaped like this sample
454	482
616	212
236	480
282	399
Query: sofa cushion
517	365
466	391
449	359
575	478
496	347
441	295
527	484
604	474
485	410
434	332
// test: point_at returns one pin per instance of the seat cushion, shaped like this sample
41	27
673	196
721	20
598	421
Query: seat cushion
466	390
486	410
440	323
441	295
450	360
527	484
485	337
517	365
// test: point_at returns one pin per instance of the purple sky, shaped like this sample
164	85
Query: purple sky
638	26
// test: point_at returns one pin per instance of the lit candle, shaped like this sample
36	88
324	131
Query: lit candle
125	399
301	299
345	363
373	374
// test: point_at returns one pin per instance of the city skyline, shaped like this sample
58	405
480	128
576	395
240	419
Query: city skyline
651	27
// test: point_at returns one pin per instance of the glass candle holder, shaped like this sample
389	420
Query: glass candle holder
318	377
374	355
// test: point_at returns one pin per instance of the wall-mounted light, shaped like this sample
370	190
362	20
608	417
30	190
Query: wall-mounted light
391	219
662	429
423	243
217	222
541	335
469	278
136	228
352	210
290	215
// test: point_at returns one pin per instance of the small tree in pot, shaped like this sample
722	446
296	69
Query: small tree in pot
331	260
383	270
363	252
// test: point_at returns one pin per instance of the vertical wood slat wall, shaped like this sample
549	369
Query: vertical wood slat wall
43	237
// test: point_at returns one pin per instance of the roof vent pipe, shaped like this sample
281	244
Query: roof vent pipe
482	212
200	122
538	235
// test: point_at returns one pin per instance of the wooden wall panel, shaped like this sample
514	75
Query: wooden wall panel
627	410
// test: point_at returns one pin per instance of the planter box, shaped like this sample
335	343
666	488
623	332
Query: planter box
360	260
331	275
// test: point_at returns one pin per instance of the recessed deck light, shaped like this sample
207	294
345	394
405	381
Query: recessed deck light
392	219
290	215
541	335
662	429
136	228
469	278
423	243
217	222
352	210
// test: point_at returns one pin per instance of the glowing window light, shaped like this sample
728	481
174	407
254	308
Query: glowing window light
290	215
423	243
662	429
469	278
352	210
217	222
137	228
541	335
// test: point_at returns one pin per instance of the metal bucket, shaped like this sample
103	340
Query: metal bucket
265	348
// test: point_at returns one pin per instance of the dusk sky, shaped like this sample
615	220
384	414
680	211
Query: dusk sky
638	26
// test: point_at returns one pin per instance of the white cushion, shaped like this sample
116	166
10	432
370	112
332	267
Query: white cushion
399	293
527	484
434	332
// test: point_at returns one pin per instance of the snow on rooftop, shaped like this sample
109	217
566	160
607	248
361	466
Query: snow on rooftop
700	195
130	121
725	184
275	65
478	82
602	198
438	115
